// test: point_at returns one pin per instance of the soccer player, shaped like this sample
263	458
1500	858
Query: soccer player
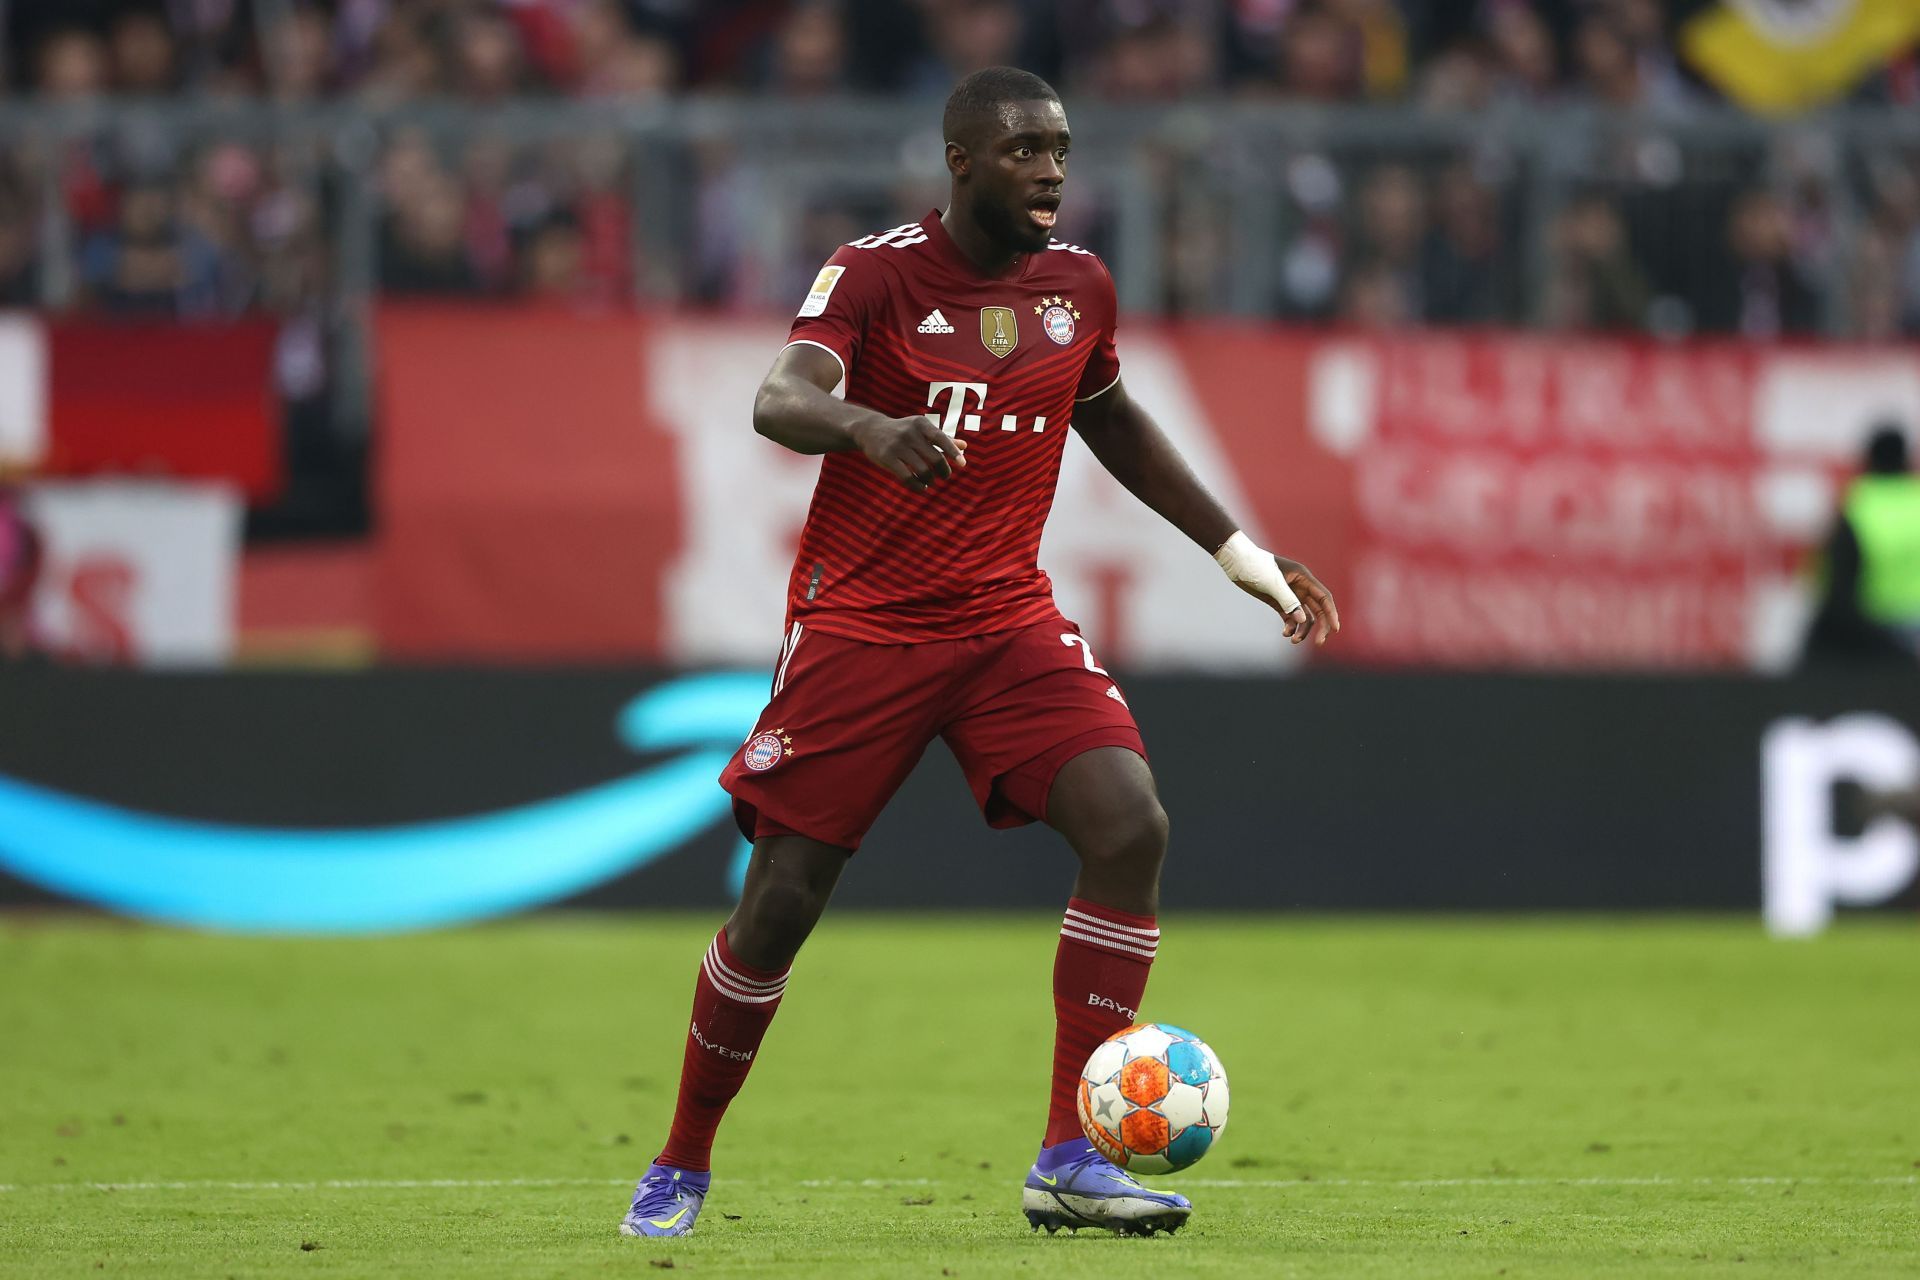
969	343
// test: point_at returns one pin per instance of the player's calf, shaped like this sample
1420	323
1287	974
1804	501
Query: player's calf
789	881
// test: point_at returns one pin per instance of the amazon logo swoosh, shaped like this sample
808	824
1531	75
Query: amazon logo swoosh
410	876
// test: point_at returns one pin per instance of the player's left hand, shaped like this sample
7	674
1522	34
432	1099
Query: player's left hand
1289	588
1314	617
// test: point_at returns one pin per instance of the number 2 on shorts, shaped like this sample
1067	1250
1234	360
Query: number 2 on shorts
1069	639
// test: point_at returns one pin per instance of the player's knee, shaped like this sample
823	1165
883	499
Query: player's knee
1133	839
776	917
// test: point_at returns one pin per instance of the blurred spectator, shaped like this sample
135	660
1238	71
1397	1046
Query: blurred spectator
810	52
1765	294
1390	239
20	562
1459	78
1873	287
1527	67
1378	29
402	62
488	59
1870	608
1609	69
499	204
612	60
142	53
639	67
1595	283
71	65
604	213
967	35
1163	60
1643	25
423	245
216	199
150	262
1320	58
1888	274
1374	297
555	259
18	247
300	56
1310	266
1465	266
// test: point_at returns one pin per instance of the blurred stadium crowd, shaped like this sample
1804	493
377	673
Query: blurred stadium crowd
1656	235
1447	53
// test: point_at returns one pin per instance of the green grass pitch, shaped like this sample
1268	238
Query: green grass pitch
1411	1098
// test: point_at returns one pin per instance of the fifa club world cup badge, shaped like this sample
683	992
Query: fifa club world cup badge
998	332
1057	315
764	750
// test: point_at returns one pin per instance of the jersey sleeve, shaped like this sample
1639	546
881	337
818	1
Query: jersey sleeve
1103	366
844	300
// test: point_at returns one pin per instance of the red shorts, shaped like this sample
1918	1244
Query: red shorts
849	720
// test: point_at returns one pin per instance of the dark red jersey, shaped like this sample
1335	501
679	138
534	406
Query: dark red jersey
999	363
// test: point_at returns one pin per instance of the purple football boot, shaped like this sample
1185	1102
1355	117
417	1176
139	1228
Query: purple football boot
1072	1185
666	1203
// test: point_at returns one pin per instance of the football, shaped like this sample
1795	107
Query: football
1153	1098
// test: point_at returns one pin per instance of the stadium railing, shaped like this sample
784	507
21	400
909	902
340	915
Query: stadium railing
1356	215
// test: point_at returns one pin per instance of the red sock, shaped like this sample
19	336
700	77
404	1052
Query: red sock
733	1005
1099	975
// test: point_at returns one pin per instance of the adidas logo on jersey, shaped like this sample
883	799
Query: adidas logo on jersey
935	323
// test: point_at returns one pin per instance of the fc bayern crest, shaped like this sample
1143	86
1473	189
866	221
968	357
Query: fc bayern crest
764	750
1057	315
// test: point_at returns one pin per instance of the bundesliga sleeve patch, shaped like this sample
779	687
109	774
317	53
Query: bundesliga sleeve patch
823	286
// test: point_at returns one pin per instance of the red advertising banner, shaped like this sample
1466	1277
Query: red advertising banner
527	508
1548	503
556	485
1560	503
188	402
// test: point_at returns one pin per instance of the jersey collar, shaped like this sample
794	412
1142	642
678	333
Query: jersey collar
944	246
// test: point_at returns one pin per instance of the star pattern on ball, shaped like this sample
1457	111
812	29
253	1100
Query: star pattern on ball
1105	1110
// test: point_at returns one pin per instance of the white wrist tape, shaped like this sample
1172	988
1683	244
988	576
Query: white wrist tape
1252	567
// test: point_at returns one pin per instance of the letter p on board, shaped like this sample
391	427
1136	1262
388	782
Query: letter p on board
1807	869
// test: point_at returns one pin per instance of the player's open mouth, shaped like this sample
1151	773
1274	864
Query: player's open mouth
1044	211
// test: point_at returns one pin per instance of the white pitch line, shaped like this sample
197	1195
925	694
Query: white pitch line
1776	1181
1781	1180
330	1184
407	1184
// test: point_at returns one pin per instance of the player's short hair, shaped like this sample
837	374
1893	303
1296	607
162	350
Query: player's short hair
978	99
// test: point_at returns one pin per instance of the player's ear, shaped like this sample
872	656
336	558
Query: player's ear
958	162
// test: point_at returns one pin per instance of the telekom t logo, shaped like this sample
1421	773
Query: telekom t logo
955	416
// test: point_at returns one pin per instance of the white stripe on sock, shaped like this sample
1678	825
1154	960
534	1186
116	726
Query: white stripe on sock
732	992
1074	913
752	984
1107	944
1151	940
740	979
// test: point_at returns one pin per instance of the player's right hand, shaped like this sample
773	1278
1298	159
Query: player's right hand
914	451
